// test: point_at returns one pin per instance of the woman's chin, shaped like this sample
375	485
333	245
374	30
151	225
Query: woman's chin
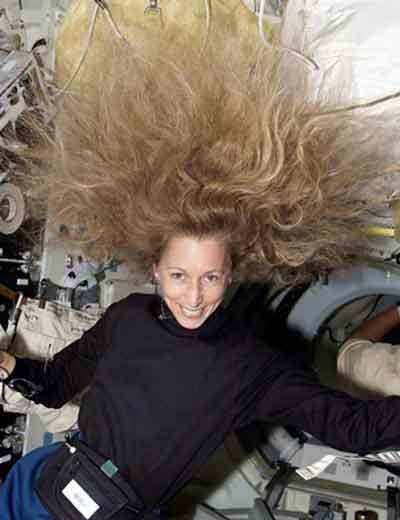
190	323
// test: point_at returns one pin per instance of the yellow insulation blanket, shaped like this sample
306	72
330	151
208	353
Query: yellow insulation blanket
185	20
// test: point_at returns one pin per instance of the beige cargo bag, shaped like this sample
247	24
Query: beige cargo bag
42	329
369	370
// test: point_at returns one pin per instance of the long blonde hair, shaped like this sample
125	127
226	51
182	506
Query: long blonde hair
209	143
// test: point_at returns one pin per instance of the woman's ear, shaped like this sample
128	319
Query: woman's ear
155	273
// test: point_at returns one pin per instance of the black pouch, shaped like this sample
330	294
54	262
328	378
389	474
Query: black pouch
72	486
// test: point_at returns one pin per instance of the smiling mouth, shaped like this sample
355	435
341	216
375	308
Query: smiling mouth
191	313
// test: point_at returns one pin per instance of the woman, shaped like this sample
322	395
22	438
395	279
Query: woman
199	169
171	377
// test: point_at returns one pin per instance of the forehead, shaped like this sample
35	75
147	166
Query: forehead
190	253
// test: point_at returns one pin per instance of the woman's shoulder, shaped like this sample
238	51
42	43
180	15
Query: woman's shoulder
131	305
135	299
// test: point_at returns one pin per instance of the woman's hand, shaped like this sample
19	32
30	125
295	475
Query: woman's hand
377	327
7	364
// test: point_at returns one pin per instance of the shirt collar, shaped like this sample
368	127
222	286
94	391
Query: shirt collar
213	325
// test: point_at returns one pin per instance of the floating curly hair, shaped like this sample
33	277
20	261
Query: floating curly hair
209	143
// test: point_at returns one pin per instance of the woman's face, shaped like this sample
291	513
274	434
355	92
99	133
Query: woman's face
193	273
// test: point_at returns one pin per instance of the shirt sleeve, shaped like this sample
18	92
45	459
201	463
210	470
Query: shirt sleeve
71	370
276	390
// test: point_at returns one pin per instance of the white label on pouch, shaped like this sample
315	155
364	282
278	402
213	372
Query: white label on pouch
78	497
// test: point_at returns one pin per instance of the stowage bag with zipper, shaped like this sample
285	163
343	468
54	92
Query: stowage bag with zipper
72	486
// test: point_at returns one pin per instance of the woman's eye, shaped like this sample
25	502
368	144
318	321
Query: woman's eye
212	278
176	276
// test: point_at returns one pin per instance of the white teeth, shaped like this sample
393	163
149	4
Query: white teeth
191	312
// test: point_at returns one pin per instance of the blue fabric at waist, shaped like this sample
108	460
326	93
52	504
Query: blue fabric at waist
17	497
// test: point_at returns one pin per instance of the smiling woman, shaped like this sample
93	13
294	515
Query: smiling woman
196	167
193	274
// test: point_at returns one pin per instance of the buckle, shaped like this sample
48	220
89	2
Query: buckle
24	387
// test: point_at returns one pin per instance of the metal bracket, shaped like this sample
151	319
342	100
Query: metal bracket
153	8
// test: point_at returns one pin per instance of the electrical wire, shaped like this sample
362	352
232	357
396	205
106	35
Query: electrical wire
297	54
98	4
208	23
306	59
395	255
114	26
367	317
261	24
331	336
41	82
211	511
374	306
85	50
378	215
368	104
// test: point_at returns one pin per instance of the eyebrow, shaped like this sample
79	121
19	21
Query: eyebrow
207	272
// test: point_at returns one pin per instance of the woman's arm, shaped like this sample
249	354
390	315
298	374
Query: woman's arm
57	381
275	390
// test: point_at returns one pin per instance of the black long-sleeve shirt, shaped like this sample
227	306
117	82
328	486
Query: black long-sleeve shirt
162	398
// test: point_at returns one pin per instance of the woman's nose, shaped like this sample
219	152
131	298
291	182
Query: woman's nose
195	295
